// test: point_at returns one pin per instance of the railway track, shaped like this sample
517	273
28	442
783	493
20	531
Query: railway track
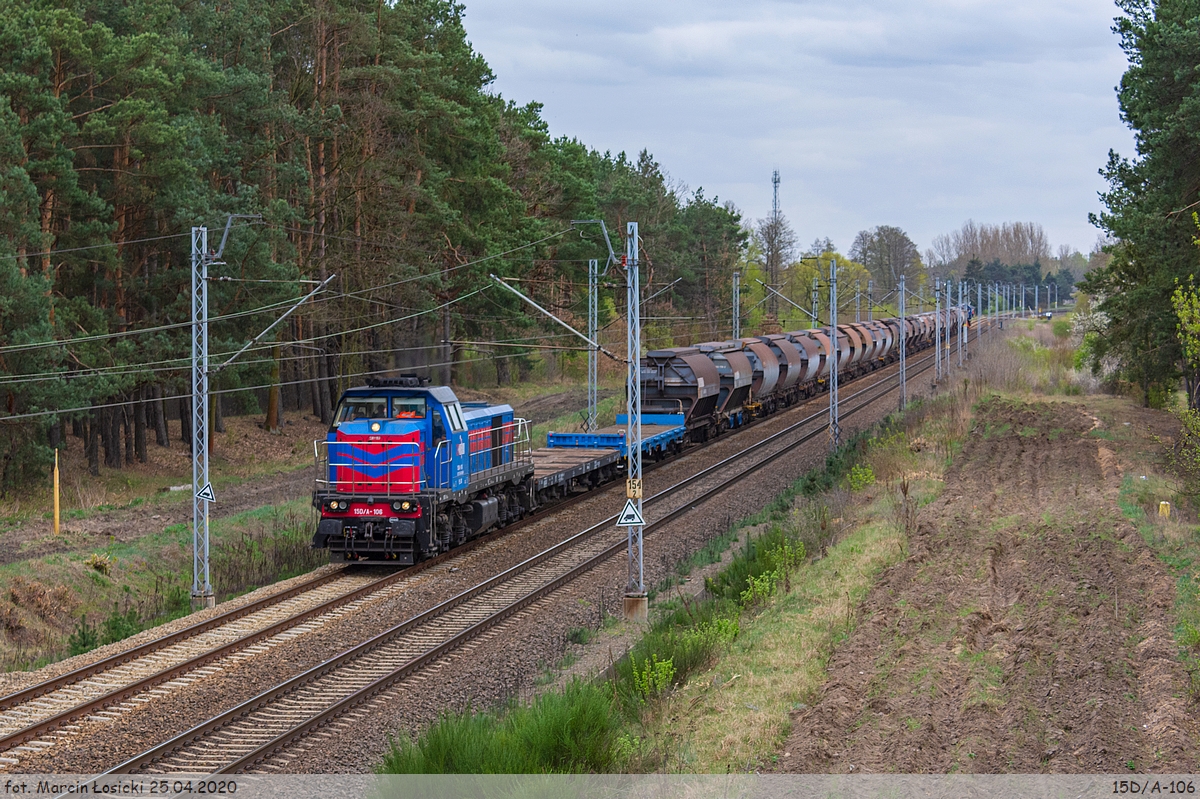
256	735
101	689
89	696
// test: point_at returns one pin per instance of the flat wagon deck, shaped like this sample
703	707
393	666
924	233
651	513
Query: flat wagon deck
559	466
661	433
582	460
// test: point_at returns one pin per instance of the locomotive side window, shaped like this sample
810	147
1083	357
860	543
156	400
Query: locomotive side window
454	412
408	407
439	429
352	408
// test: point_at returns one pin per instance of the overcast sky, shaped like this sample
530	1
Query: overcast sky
916	113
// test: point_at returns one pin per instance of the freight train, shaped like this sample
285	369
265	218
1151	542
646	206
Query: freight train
408	471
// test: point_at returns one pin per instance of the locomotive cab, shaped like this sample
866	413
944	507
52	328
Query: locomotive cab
407	471
398	441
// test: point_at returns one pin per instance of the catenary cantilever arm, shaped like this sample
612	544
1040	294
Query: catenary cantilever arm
591	343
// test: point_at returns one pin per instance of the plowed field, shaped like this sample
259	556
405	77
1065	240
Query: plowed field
1029	629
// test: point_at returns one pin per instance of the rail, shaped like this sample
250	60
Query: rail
877	390
247	755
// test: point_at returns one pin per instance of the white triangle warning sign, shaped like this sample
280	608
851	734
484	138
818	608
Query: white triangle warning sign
629	516
206	493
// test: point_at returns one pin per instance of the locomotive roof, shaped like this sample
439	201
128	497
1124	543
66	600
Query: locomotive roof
443	394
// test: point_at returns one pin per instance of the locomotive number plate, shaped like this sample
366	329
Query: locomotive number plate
633	488
359	510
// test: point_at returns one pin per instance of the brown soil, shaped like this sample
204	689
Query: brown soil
250	468
550	406
1029	630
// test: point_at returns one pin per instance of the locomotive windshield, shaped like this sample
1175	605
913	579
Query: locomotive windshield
352	408
408	407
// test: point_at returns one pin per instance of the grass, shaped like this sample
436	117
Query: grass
243	453
1177	544
779	661
560	732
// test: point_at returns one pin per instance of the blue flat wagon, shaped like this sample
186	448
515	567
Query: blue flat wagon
662	434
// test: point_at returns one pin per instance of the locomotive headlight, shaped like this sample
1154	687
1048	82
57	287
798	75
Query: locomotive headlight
402	506
336	505
375	427
396	506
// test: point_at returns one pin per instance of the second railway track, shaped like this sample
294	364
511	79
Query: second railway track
286	714
102	688
257	734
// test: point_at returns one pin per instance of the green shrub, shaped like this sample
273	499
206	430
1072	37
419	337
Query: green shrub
775	552
119	626
688	637
653	677
1061	328
84	639
861	476
759	589
1085	355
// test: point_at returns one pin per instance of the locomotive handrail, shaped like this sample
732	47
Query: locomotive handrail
514	437
523	442
441	460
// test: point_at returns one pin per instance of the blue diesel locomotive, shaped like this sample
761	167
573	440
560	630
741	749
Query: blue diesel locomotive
407	471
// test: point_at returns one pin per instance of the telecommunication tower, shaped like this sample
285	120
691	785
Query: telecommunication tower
773	254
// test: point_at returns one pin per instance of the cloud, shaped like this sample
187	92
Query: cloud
918	113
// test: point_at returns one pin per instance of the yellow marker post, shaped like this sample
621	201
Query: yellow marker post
56	517
1164	509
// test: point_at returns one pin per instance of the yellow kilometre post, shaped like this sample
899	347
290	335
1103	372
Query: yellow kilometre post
1164	509
56	517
